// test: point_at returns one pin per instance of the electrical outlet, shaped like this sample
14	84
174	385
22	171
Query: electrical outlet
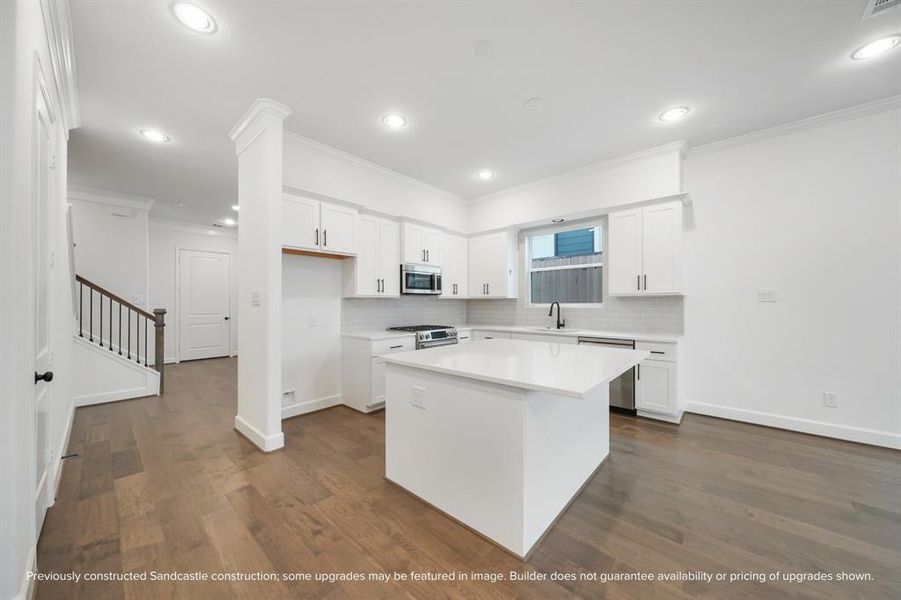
766	295
311	321
830	399
418	396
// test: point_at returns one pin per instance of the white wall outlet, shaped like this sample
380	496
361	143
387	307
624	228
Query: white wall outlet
256	299
311	321
418	396
830	399
766	295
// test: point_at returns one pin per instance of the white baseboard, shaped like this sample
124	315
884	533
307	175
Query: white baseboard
266	443
125	394
677	418
841	432
308	406
26	590
61	451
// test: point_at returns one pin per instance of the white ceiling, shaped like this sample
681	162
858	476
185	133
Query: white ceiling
605	70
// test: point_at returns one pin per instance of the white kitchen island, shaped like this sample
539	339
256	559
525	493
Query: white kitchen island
500	434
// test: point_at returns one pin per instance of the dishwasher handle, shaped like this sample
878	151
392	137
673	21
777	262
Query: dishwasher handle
607	342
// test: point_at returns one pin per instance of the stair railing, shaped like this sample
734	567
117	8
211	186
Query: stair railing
119	310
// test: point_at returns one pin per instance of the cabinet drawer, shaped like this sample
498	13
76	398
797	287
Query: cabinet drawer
659	350
491	335
390	346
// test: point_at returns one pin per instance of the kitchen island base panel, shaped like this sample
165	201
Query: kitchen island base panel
504	461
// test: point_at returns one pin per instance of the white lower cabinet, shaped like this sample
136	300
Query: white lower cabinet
490	335
464	336
363	370
544	337
655	382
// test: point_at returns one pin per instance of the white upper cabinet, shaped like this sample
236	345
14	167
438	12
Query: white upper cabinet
645	250
492	266
375	272
454	267
422	245
309	224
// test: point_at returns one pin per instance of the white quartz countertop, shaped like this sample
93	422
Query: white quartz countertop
576	332
564	369
375	336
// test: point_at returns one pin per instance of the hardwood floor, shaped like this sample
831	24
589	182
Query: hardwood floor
164	484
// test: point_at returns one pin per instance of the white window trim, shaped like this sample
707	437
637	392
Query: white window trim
527	263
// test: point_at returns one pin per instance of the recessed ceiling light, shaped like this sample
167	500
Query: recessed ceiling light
876	47
533	103
235	207
485	174
194	18
673	114
154	136
394	121
228	221
481	50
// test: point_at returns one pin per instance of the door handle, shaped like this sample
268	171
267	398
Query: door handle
47	376
226	318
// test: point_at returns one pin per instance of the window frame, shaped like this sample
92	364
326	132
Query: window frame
527	263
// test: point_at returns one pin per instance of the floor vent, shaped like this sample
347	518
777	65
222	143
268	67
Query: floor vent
879	7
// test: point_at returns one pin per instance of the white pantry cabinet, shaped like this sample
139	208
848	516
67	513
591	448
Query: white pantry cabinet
422	245
375	272
318	226
455	267
492	266
645	250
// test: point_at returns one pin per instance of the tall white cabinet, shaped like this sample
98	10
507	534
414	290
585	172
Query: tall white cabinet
645	250
375	272
454	267
492	266
422	245
318	226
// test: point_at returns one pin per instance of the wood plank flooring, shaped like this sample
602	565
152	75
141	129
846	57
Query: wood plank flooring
164	484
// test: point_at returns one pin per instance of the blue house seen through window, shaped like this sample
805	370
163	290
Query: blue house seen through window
574	243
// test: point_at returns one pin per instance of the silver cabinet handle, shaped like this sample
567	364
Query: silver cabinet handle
317	236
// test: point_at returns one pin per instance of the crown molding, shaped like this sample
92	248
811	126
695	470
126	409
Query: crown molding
109	198
836	116
58	28
185	227
590	168
296	137
251	125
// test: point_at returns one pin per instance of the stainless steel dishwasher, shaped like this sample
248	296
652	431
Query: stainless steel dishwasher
622	389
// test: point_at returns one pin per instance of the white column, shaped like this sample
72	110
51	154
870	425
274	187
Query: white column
258	138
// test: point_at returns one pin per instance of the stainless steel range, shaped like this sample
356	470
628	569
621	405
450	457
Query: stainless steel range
430	336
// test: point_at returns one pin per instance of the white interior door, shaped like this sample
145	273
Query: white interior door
43	356
203	304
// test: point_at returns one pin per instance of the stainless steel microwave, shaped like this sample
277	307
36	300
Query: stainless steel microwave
420	279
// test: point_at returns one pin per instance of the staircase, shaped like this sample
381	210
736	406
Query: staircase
115	356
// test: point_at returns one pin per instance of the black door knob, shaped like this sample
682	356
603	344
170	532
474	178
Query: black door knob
48	376
226	318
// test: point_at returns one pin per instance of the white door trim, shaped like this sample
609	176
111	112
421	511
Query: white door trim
178	251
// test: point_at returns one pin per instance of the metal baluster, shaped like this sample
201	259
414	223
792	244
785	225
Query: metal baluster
120	329
110	323
80	309
91	316
100	338
145	341
128	349
138	337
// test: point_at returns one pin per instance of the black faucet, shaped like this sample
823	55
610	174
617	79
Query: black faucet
560	322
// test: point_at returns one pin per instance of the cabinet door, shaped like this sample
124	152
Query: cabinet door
412	242
389	257
300	223
338	229
661	248
479	248
368	248
431	243
378	382
624	248
655	386
454	267
491	335
496	265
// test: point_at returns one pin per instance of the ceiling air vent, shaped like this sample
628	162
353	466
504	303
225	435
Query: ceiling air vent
879	7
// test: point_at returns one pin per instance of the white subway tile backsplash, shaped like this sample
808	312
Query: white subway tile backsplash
372	314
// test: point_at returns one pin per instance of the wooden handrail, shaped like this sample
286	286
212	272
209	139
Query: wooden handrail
105	292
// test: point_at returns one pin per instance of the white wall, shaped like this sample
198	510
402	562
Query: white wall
815	215
317	168
23	39
165	240
589	191
311	332
110	250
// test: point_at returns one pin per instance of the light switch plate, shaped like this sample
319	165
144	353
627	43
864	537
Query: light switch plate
766	295
830	399
418	396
